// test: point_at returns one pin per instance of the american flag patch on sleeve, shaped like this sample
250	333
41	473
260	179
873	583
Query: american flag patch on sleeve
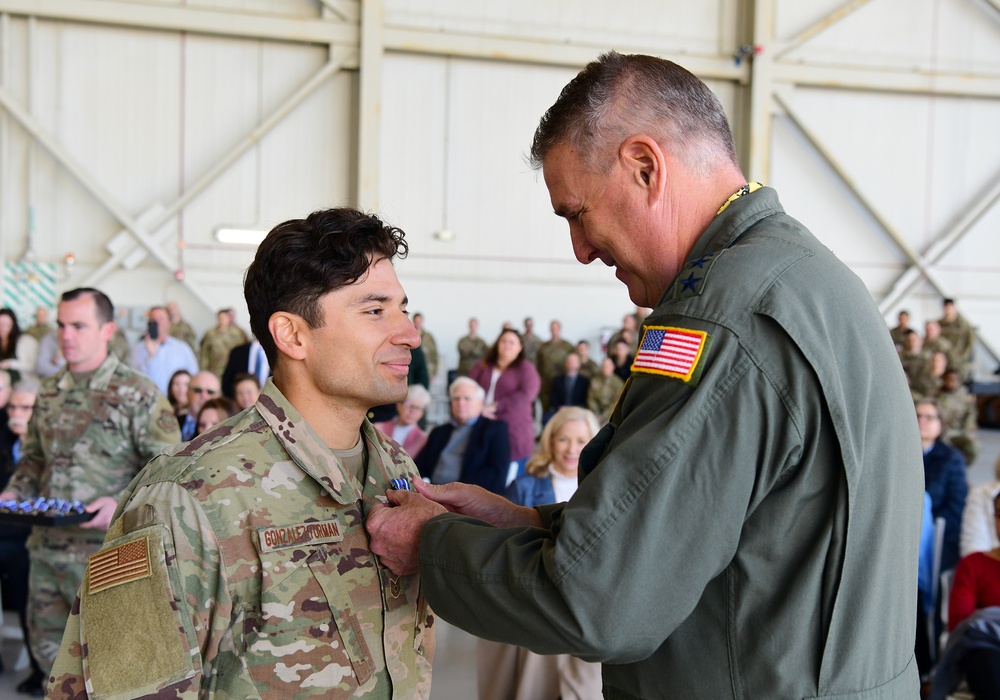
669	351
122	564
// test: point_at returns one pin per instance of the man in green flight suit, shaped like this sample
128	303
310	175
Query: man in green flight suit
238	566
747	525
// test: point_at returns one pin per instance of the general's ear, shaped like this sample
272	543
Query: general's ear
645	162
288	332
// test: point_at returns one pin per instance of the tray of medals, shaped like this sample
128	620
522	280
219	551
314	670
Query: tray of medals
43	511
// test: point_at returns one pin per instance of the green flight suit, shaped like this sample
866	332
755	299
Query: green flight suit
748	532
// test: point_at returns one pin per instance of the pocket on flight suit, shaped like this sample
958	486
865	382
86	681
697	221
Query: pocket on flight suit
137	641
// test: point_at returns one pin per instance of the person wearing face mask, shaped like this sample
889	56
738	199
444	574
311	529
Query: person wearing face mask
507	672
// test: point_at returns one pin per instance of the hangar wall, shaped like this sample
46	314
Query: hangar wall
130	131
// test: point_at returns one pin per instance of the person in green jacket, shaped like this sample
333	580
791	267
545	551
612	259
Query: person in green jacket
747	525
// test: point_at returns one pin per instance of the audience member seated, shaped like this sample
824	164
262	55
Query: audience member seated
50	359
245	359
204	386
973	649
214	411
511	384
403	428
604	390
158	355
177	393
944	479
246	389
13	552
916	363
979	532
569	388
471	448
507	672
18	351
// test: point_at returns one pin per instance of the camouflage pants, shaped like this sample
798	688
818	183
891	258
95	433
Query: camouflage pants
54	580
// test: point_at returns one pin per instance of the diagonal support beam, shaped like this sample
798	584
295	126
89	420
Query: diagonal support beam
102	197
912	256
284	108
819	26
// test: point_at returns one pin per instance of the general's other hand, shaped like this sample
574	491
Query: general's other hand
8	496
105	508
477	502
395	530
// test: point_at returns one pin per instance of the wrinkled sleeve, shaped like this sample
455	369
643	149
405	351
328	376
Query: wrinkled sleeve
27	477
154	426
613	572
169	639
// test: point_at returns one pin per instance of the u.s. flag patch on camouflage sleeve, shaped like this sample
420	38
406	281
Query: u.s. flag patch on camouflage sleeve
671	352
122	564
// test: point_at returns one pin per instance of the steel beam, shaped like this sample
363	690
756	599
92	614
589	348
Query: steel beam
370	103
187	18
817	27
913	256
761	89
889	80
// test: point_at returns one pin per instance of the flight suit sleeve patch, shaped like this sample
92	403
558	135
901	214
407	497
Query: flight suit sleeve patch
135	638
670	351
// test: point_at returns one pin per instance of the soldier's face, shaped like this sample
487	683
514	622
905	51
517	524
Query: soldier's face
361	355
83	338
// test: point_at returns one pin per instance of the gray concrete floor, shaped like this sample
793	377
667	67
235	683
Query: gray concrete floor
455	660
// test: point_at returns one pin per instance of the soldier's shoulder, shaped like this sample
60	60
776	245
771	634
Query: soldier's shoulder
127	377
231	451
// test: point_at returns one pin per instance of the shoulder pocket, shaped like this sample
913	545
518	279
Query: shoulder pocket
135	637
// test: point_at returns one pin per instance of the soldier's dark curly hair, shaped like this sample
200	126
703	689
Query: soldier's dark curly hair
304	259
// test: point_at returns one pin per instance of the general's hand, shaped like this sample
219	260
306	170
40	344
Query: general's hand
395	530
9	496
477	502
105	508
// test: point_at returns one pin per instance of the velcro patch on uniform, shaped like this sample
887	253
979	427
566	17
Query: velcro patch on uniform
670	351
122	564
272	538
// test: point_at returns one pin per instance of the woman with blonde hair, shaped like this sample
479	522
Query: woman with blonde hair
508	672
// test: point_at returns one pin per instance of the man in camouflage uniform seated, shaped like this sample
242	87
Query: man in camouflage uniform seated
958	415
95	424
238	565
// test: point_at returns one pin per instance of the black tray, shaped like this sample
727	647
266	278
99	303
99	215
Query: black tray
45	519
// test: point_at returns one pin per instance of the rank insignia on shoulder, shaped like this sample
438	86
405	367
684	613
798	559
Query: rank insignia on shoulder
691	279
122	564
671	352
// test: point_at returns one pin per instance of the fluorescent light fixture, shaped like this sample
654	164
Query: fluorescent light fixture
239	236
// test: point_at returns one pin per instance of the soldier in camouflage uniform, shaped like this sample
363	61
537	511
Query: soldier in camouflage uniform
605	388
588	368
958	415
530	341
179	328
471	349
219	342
42	327
960	333
95	425
241	557
935	342
916	363
897	332
550	359
428	345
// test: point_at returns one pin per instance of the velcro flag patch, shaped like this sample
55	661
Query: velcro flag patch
122	564
669	351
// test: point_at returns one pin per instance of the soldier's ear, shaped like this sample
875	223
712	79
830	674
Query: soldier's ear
287	331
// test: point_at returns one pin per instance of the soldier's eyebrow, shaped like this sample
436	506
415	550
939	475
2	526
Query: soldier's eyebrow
378	298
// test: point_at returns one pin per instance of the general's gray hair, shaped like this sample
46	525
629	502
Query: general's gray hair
620	95
466	381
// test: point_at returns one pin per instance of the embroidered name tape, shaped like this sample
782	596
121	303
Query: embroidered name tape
669	351
122	564
272	538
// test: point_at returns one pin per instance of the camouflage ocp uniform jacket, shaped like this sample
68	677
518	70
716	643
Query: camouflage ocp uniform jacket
90	439
238	567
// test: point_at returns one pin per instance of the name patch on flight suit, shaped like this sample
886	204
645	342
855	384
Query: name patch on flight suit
671	352
272	538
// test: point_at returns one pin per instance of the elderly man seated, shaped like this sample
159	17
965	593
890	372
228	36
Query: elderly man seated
203	386
471	448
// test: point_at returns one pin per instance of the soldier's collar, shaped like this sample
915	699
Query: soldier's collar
99	380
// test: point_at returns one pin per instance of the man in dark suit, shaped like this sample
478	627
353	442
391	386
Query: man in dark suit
249	358
471	448
569	388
